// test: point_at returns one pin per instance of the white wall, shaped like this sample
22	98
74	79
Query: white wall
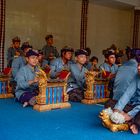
106	26
131	2
33	19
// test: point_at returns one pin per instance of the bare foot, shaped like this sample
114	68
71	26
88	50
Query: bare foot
32	101
134	129
25	104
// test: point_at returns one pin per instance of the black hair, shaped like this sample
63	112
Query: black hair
66	49
48	36
88	51
16	39
93	58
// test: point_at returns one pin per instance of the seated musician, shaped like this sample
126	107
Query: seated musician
20	61
62	62
13	51
109	67
131	112
76	81
125	75
129	102
17	63
27	83
42	62
94	62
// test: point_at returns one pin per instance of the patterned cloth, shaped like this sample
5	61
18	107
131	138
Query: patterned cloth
2	32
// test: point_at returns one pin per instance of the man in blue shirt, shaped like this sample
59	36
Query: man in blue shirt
109	69
27	83
125	75
42	62
76	81
109	65
62	62
20	61
131	95
17	63
13	51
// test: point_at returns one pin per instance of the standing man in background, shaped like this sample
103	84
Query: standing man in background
49	51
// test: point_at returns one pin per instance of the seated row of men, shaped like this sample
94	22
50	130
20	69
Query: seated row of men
26	80
124	80
76	81
56	65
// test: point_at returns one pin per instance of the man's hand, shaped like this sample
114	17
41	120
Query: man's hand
116	110
126	116
111	76
35	80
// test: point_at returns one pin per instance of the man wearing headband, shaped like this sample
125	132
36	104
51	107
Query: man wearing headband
13	51
20	61
76	81
109	69
27	83
62	62
109	65
42	62
17	63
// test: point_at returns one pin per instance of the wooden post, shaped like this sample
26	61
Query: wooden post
136	29
84	17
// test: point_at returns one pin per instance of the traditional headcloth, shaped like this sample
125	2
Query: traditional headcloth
81	52
67	49
135	52
108	53
48	36
25	46
40	52
16	39
31	52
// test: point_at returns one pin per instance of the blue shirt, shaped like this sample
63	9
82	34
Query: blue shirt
77	77
47	50
112	69
125	75
25	74
17	64
58	65
132	96
88	65
43	63
11	54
